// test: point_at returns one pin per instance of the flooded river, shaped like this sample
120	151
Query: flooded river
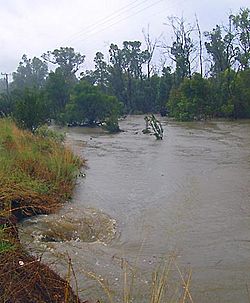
144	199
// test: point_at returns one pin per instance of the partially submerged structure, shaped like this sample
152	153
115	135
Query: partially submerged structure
153	125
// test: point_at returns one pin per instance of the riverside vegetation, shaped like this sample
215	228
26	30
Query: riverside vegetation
37	175
203	75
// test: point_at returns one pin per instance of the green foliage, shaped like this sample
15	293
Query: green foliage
221	50
101	72
6	247
34	170
192	100
57	91
241	22
182	48
68	60
227	109
164	88
89	105
128	75
6	105
112	125
30	108
45	132
31	73
241	94
125	71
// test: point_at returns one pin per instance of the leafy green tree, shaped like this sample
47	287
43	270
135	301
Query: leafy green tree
89	76
6	105
2	86
60	83
116	76
31	73
101	72
57	90
221	49
164	89
67	59
181	49
89	105
146	94
30	108
125	70
134	58
100	75
192	100
241	22
241	95
222	91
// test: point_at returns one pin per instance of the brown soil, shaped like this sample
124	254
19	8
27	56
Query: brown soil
24	279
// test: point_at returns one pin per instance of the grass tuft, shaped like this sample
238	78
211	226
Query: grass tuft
37	173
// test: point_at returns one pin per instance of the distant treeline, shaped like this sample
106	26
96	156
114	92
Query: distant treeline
208	76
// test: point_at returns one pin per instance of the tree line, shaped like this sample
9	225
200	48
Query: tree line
205	75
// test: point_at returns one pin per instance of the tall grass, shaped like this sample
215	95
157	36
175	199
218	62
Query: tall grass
167	282
36	173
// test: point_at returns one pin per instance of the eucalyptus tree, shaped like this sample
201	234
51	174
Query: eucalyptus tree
181	49
67	59
116	76
134	58
126	68
241	23
89	76
221	49
57	90
151	45
163	90
2	86
101	72
30	73
61	81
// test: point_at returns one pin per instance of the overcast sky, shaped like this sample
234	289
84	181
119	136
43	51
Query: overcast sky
33	27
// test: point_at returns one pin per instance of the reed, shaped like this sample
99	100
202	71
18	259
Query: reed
168	284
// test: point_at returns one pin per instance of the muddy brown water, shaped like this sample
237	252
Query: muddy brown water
188	194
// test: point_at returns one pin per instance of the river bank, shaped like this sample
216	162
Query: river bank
37	176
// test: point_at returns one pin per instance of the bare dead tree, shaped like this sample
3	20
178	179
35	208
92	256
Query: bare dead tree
200	45
151	46
183	47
